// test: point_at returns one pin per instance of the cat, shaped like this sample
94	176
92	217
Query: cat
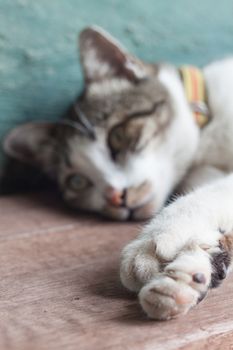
126	144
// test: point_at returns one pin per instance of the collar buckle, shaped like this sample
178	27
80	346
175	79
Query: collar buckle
200	107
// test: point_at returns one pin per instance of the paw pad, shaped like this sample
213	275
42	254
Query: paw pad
199	277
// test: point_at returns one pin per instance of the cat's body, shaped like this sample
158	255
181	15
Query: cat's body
216	144
129	140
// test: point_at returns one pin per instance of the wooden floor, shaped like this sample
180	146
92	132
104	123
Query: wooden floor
60	287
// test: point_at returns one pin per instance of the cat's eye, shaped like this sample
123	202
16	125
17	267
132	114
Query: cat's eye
78	182
117	138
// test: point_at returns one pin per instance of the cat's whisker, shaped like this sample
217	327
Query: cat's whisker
84	121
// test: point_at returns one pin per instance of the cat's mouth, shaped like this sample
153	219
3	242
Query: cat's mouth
142	212
134	203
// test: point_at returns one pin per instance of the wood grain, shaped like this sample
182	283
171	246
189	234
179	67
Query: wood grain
60	287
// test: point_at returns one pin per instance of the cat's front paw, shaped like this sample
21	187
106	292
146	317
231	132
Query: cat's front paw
166	288
174	262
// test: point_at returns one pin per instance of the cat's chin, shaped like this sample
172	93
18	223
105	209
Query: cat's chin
116	213
144	212
141	213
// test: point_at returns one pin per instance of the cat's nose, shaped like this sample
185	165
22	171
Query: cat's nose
115	197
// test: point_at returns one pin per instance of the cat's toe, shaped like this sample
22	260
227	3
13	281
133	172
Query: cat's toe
165	298
138	264
181	286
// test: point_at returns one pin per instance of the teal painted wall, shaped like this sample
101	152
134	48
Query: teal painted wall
39	70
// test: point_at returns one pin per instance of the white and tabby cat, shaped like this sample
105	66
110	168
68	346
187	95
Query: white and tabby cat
127	142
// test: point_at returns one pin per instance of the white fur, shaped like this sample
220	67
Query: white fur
92	65
185	232
107	87
139	71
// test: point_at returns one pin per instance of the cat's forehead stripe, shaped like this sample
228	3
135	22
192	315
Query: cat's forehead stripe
108	87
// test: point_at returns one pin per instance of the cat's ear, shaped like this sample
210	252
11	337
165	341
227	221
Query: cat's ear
32	143
103	57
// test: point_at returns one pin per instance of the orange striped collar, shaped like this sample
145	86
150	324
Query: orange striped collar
195	91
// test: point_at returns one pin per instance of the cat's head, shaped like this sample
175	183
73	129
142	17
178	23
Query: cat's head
124	144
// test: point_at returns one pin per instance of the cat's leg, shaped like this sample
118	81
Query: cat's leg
183	252
200	175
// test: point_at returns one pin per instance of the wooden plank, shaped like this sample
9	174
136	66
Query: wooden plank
60	287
